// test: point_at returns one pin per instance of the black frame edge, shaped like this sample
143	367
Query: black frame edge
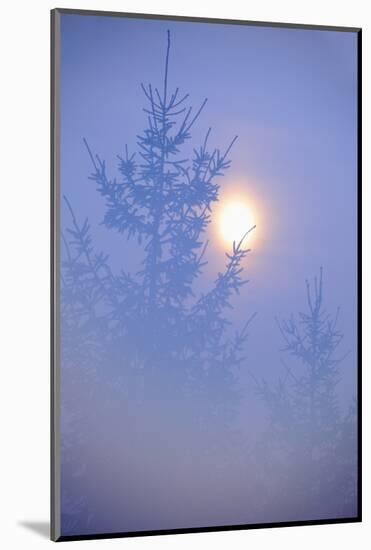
54	285
359	272
195	19
52	83
215	529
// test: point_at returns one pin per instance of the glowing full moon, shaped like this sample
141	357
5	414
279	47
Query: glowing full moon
235	220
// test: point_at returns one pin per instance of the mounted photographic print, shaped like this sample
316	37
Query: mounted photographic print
205	274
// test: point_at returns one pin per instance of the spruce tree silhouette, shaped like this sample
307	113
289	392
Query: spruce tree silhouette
304	447
164	201
146	341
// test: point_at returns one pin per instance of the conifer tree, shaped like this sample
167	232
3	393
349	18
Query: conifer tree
304	446
152	321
